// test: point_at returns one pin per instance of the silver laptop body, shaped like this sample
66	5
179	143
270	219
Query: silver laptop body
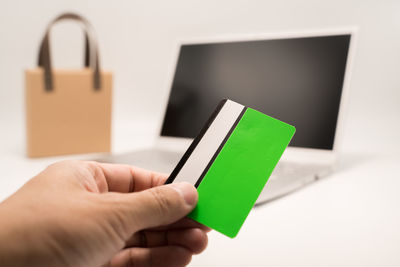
299	78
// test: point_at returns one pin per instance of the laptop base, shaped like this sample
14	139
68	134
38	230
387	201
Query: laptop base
286	178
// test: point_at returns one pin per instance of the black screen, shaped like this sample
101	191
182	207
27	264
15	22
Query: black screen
297	80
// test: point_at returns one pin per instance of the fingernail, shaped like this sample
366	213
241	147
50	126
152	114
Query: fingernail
188	192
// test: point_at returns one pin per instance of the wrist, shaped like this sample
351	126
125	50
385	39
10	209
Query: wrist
17	234
10	248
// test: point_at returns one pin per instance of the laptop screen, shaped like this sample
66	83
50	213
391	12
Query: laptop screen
296	80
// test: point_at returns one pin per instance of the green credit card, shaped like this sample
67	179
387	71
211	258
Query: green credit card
230	162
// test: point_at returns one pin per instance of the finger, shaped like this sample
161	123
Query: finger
182	224
150	208
125	178
149	257
193	239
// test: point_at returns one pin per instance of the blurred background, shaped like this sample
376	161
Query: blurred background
138	44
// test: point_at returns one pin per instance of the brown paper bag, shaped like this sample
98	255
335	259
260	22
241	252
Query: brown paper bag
68	111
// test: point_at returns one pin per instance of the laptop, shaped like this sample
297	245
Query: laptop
300	79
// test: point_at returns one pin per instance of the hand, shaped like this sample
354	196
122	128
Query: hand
93	214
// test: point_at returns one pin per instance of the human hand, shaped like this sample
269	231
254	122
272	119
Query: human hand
78	213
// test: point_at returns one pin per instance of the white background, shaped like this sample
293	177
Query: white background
137	42
350	218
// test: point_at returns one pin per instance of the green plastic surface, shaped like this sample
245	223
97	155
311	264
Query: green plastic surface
234	181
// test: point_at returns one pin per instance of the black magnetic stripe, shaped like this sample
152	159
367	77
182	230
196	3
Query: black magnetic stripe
220	147
195	142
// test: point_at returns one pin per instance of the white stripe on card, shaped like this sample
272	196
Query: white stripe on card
208	145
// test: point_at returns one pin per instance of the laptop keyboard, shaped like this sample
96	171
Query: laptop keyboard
292	169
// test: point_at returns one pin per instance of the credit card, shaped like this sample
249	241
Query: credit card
229	163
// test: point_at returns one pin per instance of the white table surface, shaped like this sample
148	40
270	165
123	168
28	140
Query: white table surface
351	218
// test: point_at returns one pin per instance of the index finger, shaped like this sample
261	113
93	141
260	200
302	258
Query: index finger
125	178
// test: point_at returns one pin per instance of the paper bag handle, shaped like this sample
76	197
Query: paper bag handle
91	51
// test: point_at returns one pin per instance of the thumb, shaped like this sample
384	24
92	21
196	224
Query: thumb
161	205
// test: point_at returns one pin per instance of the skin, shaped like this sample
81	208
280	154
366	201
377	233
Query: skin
77	213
